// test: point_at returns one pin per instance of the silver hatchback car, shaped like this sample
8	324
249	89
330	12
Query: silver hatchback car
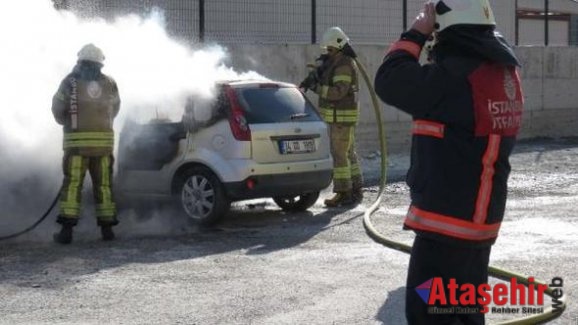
263	139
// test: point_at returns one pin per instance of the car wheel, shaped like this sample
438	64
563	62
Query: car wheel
202	196
296	203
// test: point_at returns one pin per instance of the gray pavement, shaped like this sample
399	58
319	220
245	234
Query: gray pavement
263	266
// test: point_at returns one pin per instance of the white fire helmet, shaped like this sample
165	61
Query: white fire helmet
470	12
334	37
90	52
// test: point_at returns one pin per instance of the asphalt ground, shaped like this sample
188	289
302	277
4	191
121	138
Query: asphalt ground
264	266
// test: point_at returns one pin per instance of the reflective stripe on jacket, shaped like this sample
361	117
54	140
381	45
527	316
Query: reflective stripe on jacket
466	116
86	109
337	91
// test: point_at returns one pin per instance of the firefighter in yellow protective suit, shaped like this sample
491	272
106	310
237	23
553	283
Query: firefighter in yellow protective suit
86	104
335	81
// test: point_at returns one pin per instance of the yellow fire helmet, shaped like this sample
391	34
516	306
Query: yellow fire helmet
469	12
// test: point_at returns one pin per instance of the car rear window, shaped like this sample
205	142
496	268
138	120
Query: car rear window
276	104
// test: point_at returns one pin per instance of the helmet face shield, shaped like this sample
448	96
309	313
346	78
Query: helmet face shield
469	12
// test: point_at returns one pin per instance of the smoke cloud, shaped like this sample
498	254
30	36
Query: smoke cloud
155	74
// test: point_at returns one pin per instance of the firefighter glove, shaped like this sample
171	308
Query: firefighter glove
310	82
316	70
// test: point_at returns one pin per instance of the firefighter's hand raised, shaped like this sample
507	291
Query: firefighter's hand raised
425	21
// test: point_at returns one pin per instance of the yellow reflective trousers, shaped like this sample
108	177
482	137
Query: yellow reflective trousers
346	170
100	169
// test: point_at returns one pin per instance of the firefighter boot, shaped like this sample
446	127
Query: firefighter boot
339	199
64	236
357	195
107	233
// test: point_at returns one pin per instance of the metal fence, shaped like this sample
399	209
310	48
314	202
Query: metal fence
549	23
523	22
261	21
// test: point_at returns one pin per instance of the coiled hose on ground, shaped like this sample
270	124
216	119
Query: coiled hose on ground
547	315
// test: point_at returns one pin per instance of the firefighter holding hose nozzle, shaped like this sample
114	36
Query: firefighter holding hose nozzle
334	79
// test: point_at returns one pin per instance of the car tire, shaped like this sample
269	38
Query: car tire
202	197
296	203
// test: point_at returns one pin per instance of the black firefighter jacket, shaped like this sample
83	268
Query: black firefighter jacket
466	114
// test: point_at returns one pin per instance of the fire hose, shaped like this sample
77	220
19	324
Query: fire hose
35	224
547	315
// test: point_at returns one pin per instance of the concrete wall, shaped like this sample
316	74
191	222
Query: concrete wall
550	81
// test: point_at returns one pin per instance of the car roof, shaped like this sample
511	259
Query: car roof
250	83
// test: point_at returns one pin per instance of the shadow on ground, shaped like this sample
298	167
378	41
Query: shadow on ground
251	232
392	311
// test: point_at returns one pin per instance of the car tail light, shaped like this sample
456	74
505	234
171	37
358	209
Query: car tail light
237	120
251	183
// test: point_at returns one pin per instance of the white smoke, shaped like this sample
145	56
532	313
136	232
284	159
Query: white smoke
39	44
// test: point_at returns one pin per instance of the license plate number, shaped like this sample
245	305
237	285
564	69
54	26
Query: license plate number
297	146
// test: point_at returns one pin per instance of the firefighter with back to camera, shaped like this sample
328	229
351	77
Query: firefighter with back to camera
86	104
466	106
334	79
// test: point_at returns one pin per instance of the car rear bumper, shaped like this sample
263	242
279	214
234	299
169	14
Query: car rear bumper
278	185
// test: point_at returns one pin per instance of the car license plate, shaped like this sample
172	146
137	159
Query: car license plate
297	146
